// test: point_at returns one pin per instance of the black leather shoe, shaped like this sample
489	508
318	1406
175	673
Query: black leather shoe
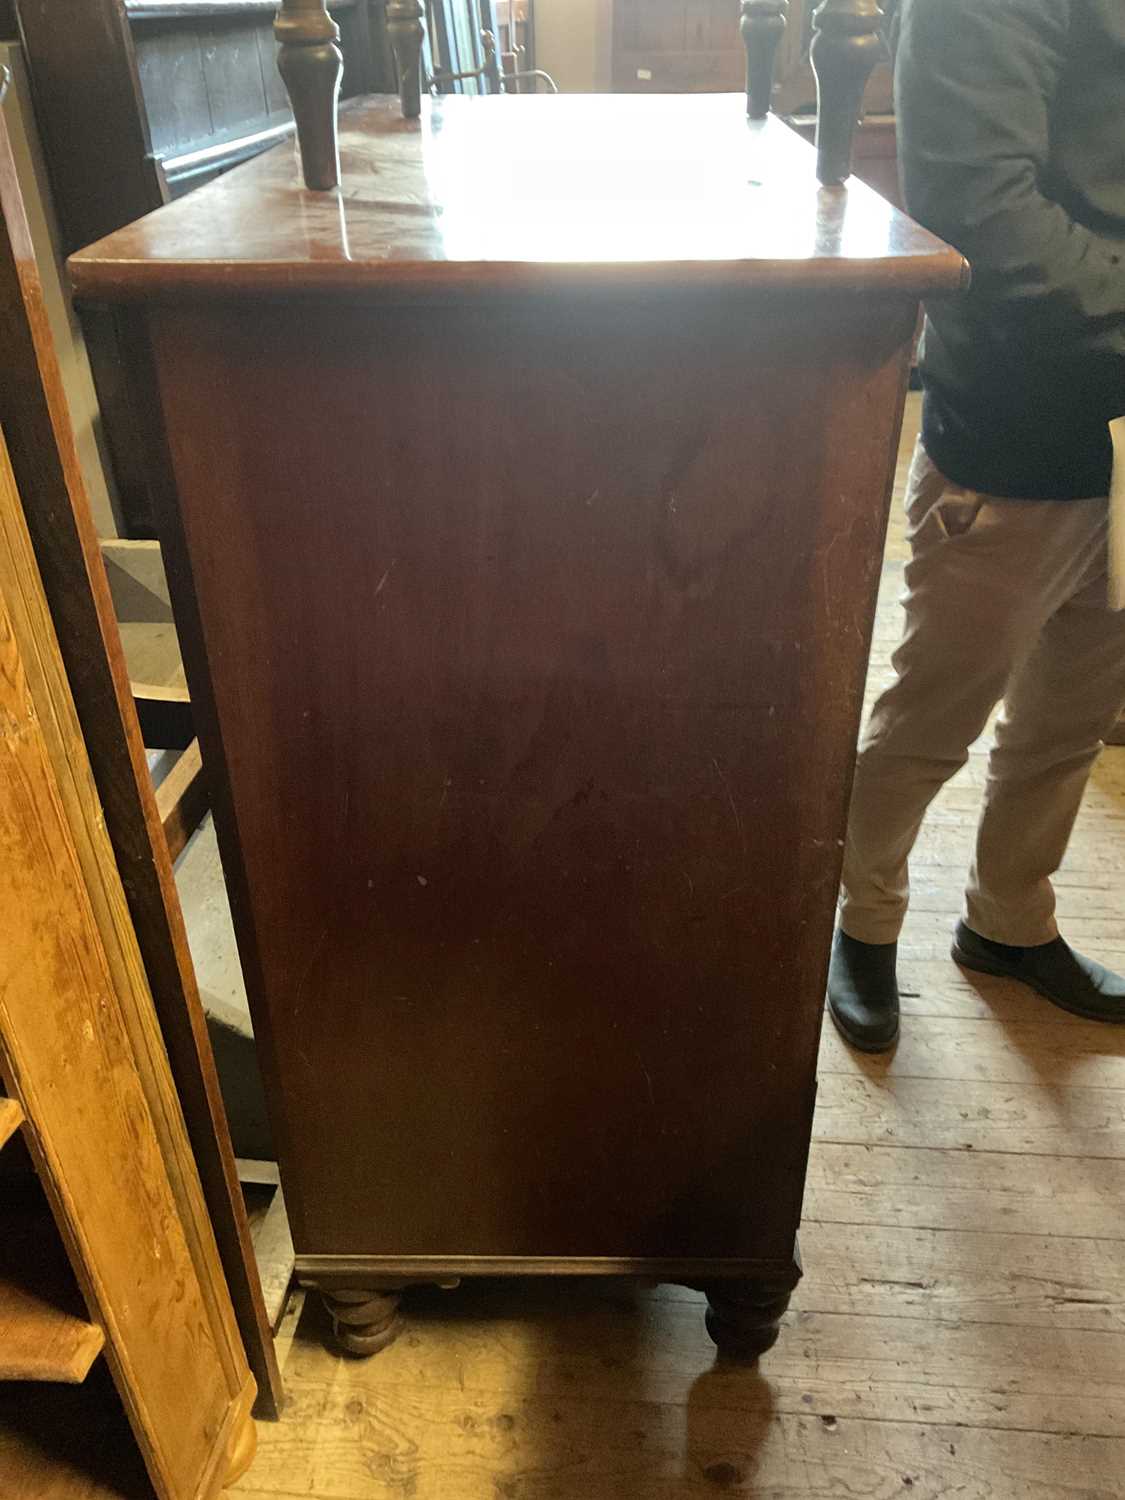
1052	970
863	992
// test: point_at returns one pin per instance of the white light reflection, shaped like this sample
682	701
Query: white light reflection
602	179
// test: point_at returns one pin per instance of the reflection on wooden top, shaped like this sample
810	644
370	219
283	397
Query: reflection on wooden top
522	192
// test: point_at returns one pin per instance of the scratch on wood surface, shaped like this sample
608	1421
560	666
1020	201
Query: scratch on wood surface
648	1082
733	805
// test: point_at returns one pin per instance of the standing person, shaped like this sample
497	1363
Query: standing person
1012	138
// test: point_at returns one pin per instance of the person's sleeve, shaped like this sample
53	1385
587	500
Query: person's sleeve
975	81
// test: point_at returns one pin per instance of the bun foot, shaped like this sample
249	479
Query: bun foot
363	1322
744	1316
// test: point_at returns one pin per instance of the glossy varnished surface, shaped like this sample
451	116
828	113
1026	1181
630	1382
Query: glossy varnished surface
516	192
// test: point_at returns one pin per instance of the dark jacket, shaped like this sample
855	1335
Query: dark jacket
1012	143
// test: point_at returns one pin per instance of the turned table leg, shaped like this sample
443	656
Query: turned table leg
404	27
312	65
363	1321
847	43
744	1315
763	25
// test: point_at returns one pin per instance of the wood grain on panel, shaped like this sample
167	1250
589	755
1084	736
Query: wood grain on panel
149	943
80	1049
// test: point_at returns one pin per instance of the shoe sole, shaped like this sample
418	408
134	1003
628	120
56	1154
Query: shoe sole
859	1043
997	971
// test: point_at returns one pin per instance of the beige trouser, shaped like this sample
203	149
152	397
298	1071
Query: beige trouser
1004	599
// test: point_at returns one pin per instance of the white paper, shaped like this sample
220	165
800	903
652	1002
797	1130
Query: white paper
1117	516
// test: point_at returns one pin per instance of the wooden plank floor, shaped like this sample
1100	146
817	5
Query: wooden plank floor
961	1328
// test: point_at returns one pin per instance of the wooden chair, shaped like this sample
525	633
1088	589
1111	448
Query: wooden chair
847	43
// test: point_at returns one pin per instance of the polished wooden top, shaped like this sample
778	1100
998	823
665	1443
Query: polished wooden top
511	193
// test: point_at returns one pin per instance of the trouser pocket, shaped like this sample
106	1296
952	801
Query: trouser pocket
957	513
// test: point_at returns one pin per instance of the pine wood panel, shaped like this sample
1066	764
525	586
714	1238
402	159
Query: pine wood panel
142	925
79	1043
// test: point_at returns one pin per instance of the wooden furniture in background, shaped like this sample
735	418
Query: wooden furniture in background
181	800
482	47
676	46
795	81
441	46
311	63
143	611
515	35
690	46
164	715
536	953
693	46
138	101
762	27
404	27
34	417
847	42
875	151
273	1243
81	1057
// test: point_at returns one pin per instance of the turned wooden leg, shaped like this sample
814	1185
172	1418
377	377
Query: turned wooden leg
744	1315
312	65
404	27
763	26
364	1322
847	43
